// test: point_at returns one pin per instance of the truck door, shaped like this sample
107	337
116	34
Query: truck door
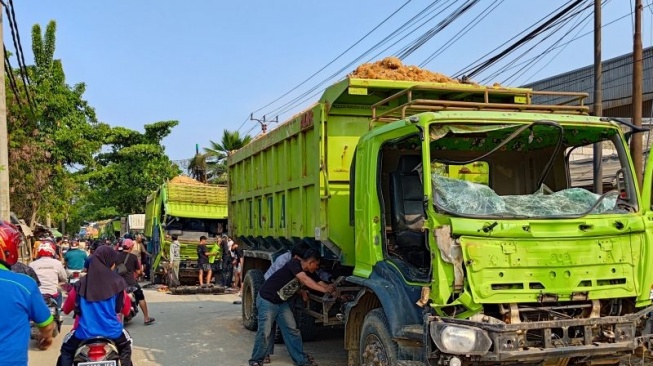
647	209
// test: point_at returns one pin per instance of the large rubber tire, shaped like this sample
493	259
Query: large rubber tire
278	338
376	344
305	323
252	283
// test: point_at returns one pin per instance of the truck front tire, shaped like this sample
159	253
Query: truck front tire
252	283
305	322
376	344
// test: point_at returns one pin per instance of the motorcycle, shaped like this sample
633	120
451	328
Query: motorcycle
134	304
56	315
75	276
97	351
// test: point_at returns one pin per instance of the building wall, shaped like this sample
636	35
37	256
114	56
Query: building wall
617	85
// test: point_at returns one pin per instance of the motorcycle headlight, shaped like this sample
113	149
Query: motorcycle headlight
460	339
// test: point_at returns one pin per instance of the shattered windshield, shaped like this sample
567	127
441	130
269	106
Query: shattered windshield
533	170
469	198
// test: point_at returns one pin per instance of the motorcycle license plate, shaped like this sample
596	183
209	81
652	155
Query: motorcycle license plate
97	363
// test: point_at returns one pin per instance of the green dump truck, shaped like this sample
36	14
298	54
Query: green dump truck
188	209
453	218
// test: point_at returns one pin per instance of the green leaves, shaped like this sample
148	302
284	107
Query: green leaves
65	163
215	156
134	166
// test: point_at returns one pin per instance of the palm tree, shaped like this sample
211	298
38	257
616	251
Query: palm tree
216	154
197	167
230	141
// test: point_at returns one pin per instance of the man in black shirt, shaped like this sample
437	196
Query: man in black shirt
134	269
227	262
273	306
203	261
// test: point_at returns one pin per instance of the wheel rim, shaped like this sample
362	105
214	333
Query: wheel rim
374	353
247	302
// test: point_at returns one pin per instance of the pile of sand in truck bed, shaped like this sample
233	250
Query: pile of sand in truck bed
185	180
391	68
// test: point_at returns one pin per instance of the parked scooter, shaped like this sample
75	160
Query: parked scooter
97	351
134	304
56	314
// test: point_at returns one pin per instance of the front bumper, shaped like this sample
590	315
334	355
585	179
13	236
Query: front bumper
539	341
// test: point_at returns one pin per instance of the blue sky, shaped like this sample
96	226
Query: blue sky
210	63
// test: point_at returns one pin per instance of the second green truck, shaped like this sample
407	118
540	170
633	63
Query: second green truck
188	209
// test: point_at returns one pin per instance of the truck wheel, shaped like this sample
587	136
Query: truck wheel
278	338
251	285
376	344
305	323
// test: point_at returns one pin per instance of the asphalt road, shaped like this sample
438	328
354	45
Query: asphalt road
198	330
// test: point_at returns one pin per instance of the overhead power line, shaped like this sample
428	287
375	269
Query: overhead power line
581	25
479	18
336	58
416	22
427	36
567	32
562	45
12	80
20	46
482	58
15	36
483	66
309	93
315	90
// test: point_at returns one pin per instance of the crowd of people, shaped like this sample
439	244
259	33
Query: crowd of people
223	257
96	301
99	298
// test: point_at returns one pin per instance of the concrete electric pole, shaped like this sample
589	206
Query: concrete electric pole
636	150
4	139
598	97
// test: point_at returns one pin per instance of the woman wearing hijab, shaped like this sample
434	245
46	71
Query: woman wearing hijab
97	299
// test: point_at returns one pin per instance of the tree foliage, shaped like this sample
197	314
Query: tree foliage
134	166
47	139
215	156
66	164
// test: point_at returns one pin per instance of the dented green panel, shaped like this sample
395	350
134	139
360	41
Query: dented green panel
524	270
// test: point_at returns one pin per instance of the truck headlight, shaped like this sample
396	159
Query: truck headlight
460	339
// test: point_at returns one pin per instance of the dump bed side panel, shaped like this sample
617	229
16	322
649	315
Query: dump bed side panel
274	196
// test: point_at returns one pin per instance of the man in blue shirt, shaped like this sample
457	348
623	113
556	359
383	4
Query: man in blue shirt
20	303
75	257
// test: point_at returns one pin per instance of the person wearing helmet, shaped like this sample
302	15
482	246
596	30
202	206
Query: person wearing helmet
20	303
10	242
49	270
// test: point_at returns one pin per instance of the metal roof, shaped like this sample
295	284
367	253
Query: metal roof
617	81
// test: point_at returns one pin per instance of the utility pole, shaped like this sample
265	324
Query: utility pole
636	150
264	122
598	97
4	139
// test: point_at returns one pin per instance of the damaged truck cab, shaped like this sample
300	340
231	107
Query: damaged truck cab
464	230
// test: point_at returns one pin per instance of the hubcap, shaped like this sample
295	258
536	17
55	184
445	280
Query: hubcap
374	353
